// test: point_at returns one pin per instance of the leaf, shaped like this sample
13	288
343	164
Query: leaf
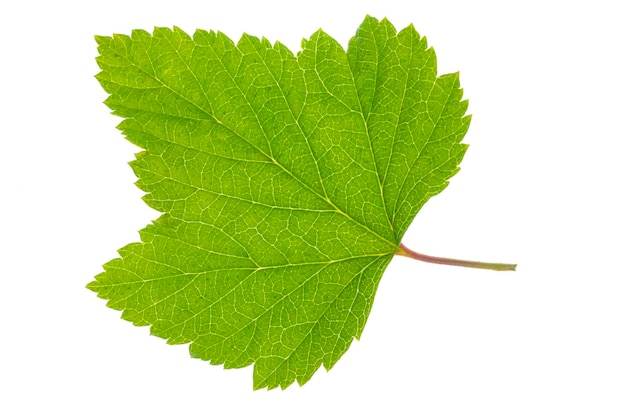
286	183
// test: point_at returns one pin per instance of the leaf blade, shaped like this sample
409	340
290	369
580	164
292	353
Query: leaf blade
278	178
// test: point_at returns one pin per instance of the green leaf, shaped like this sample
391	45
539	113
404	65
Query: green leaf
286	183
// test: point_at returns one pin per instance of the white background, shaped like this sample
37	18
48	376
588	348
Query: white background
541	185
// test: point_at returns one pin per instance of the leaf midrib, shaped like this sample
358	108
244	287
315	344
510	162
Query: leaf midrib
265	309
269	157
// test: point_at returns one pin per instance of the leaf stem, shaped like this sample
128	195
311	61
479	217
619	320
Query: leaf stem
404	251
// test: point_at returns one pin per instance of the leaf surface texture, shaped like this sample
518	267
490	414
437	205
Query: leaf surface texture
286	183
